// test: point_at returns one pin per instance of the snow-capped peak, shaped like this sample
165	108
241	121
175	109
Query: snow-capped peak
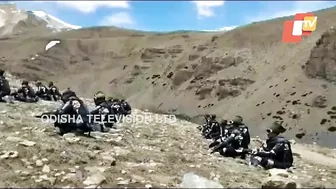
53	22
224	29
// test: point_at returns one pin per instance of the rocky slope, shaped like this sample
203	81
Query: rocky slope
159	151
135	154
246	71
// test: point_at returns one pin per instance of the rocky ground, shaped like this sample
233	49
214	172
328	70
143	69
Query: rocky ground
134	155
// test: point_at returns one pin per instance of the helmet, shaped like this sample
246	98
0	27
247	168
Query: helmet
99	94
24	82
38	83
99	97
213	116
276	127
51	83
115	100
223	121
67	94
238	120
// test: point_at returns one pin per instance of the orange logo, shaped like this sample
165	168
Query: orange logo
302	25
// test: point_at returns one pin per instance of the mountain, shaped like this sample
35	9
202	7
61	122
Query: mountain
53	22
19	22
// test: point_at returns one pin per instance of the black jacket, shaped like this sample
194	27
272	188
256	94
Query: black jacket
75	107
240	131
126	106
103	109
277	148
53	90
27	92
4	87
41	90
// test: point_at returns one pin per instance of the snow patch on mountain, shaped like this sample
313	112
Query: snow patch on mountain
53	22
224	29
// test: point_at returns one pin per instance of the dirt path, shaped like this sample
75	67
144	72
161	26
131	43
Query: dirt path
314	157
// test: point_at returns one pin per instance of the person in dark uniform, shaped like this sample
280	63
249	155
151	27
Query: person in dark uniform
103	109
42	91
25	94
212	124
276	152
4	86
205	124
54	92
214	130
116	107
126	107
235	141
74	109
222	135
109	100
244	130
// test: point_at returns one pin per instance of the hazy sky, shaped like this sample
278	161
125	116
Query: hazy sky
170	15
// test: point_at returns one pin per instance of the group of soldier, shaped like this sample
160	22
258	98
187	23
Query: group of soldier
26	93
232	139
106	110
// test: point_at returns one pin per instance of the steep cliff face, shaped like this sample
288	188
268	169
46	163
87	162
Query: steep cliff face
322	61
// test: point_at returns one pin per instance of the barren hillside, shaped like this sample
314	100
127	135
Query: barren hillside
246	71
153	154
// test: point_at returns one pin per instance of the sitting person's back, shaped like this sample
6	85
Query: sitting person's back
4	86
42	91
54	92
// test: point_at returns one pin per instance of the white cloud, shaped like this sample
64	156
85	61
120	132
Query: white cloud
92	6
85	6
291	8
121	19
206	8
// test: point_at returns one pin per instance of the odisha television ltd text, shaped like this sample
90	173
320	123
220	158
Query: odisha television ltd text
131	119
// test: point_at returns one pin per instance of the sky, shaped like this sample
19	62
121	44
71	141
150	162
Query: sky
171	15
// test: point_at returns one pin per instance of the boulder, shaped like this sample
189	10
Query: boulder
191	180
279	182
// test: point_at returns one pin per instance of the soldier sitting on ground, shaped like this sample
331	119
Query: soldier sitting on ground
25	94
276	152
42	91
4	86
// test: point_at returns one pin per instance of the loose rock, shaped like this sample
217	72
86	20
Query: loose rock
39	163
10	154
278	172
278	182
27	143
95	179
46	169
